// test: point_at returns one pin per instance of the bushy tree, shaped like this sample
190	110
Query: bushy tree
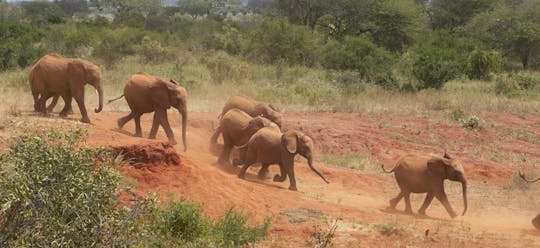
480	63
513	29
449	14
71	7
116	44
18	45
357	53
43	13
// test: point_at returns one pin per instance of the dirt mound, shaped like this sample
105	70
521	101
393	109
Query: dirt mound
149	154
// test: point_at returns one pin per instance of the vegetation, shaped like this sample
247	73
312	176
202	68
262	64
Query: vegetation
55	193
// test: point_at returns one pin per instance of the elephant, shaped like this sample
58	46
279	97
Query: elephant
270	147
416	174
145	93
251	107
527	180
54	75
536	220
237	127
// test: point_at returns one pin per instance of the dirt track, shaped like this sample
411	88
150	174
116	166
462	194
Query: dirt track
500	207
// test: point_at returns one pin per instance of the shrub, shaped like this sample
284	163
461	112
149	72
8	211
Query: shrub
231	230
43	13
278	39
527	80
357	53
481	63
17	45
182	220
52	195
472	122
152	51
116	44
507	86
223	66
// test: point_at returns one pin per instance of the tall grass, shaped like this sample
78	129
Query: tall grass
292	88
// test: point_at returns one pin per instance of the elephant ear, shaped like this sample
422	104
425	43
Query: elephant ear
290	141
439	166
160	93
76	70
173	81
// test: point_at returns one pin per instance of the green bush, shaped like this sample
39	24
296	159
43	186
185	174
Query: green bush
53	195
43	13
472	122
527	80
18	45
507	86
357	53
182	220
152	51
225	67
116	44
278	39
481	63
231	230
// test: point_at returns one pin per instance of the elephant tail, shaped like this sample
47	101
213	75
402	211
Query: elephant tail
112	100
390	171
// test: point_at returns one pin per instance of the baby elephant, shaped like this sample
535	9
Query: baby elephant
237	127
145	94
416	174
536	220
270	147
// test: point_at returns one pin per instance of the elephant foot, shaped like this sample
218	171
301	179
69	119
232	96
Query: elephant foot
172	142
293	188
152	136
85	120
422	212
237	162
263	174
241	175
393	203
409	211
453	215
63	114
279	178
138	135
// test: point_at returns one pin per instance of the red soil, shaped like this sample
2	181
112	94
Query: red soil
358	198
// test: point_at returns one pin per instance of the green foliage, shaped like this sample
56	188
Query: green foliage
357	53
507	86
227	39
449	14
279	40
472	122
195	8
481	63
43	13
231	230
527	80
52	195
18	45
152	51
223	66
182	220
117	43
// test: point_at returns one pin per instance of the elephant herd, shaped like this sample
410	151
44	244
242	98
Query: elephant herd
253	127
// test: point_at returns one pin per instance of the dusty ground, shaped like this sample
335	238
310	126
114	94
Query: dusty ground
500	206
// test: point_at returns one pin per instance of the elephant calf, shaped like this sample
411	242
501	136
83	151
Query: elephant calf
251	107
237	127
416	174
536	220
146	93
269	147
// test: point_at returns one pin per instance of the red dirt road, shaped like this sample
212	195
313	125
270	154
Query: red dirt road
500	206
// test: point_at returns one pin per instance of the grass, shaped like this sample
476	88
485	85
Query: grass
352	160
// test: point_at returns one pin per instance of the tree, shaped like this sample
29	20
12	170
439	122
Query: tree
71	7
143	7
449	14
513	29
43	13
195	8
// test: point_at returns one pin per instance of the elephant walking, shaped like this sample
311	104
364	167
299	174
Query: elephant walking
237	127
251	107
146	93
415	174
270	147
57	76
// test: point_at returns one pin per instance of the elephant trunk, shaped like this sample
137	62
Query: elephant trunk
183	113
464	186
310	163
99	89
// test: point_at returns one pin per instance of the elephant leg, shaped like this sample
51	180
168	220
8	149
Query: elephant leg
67	100
79	98
283	176
394	201
155	126
42	102
122	121
164	120
407	199
138	129
441	196
51	106
263	172
215	136
292	179
425	205
227	147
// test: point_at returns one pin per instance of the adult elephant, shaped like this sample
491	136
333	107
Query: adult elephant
57	76
270	147
251	107
415	174
237	127
146	93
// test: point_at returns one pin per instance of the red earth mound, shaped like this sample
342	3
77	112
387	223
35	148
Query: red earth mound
149	154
